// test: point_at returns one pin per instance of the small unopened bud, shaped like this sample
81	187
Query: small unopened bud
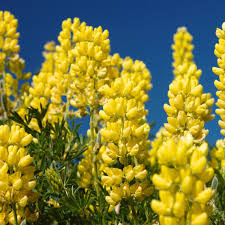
54	179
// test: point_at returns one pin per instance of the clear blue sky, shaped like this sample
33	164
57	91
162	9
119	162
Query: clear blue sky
140	29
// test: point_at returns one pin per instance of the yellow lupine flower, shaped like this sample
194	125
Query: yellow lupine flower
188	110
40	90
200	219
204	196
179	205
83	64
54	203
218	153
129	173
168	220
85	168
74	71
11	65
125	134
73	75
220	71
182	47
182	185
164	206
16	173
133	82
189	107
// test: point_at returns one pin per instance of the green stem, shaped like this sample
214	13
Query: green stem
14	213
94	150
66	113
134	215
135	161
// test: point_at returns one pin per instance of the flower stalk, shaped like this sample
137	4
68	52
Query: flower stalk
94	148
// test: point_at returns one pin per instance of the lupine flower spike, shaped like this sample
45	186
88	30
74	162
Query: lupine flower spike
125	135
184	171
11	66
16	175
220	71
189	108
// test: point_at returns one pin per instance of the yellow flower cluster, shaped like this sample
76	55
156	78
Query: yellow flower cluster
73	72
177	114
189	107
16	175
182	47
11	65
85	169
40	91
82	66
125	135
220	85
184	169
100	78
218	152
181	183
218	155
80	73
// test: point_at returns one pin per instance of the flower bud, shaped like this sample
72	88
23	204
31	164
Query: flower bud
25	161
26	140
204	196
23	201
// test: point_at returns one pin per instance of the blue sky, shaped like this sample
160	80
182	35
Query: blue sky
140	29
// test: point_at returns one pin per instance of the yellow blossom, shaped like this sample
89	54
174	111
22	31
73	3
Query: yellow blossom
189	107
182	47
11	65
125	133
182	184
16	173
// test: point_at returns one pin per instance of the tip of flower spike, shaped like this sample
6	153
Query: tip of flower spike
223	26
49	46
181	29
